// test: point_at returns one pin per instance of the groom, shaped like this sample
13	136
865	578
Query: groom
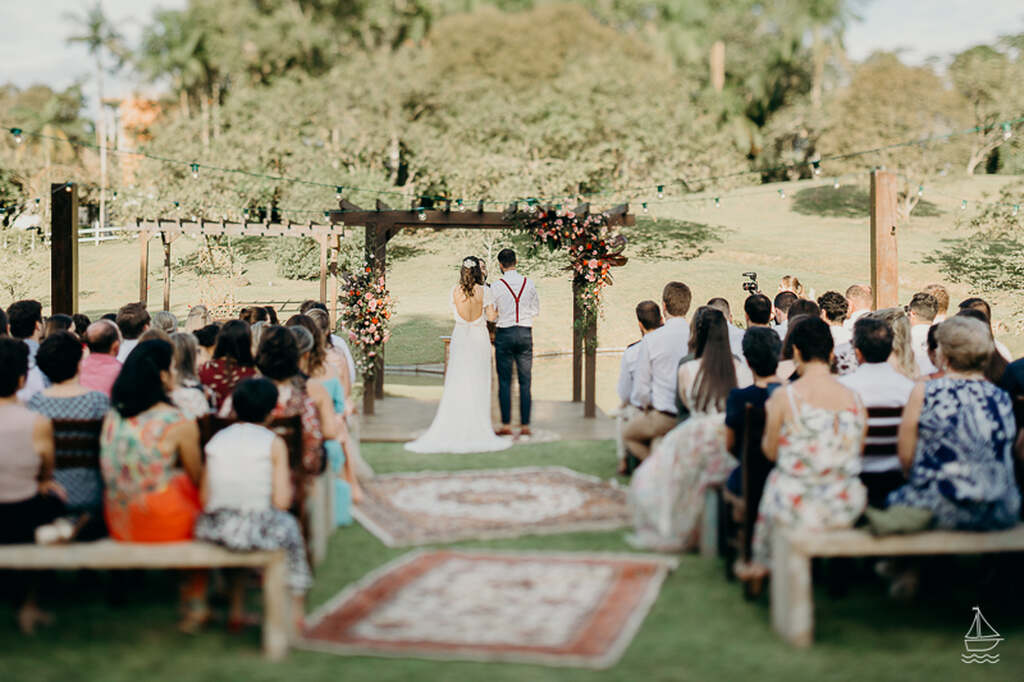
517	302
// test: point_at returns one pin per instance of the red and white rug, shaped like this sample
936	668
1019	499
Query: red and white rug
446	506
577	610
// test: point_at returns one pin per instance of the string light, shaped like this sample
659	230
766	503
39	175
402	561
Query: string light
460	206
421	214
963	204
16	132
1007	131
68	186
816	168
835	183
194	167
645	209
661	191
718	203
920	190
1016	209
782	194
337	192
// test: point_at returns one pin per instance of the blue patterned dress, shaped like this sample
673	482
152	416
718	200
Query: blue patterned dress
963	466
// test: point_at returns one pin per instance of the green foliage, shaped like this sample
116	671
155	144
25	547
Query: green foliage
298	258
990	260
668	239
848	201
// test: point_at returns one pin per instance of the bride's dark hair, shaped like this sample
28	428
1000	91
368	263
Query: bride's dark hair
469	277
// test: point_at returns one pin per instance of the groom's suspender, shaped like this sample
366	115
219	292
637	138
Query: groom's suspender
515	296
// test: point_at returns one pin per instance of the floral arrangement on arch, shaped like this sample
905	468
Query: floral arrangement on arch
593	245
367	309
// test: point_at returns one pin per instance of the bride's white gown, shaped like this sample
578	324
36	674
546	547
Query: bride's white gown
463	419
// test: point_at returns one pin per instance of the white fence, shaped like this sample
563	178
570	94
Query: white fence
102	234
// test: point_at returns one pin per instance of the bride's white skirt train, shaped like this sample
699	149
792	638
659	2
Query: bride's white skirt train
463	420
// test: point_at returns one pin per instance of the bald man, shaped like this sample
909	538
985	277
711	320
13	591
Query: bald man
101	367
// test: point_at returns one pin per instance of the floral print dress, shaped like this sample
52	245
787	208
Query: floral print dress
963	465
815	483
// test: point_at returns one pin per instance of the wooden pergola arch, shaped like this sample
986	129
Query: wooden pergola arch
383	222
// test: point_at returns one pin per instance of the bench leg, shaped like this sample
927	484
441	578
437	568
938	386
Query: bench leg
319	520
277	623
709	524
792	596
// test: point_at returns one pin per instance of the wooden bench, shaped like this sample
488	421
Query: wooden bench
791	590
109	554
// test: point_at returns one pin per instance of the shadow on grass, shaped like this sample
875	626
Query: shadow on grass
416	340
848	201
669	239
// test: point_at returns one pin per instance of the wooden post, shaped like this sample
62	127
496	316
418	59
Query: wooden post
143	264
717	62
322	239
590	379
335	264
369	253
577	346
884	260
64	248
166	241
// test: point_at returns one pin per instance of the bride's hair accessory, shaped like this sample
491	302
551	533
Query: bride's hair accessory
469	263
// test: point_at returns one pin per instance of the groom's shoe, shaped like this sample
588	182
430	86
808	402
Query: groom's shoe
525	432
504	431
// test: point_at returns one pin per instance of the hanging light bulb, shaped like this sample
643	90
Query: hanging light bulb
114	196
782	194
461	206
1016	209
1007	131
245	214
835	183
422	214
644	206
661	191
337	192
176	204
963	204
718	203
68	186
920	190
816	168
194	167
17	135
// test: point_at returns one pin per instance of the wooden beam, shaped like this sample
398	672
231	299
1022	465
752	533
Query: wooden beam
143	264
64	248
489	220
577	345
334	266
884	257
166	240
246	229
322	240
590	371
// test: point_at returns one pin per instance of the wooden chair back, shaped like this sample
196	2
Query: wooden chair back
883	432
77	443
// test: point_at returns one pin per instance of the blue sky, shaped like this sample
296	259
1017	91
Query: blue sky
30	52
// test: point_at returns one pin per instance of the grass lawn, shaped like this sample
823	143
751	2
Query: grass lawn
700	628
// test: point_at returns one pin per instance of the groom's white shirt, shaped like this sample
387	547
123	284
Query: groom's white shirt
529	301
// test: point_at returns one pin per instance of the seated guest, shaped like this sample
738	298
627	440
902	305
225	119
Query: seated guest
735	333
860	302
1012	380
58	358
154	334
757	310
879	385
58	323
253	314
997	364
271	314
82	323
188	394
834	309
165	321
654	383
902	358
232	361
4	327
26	324
335	355
337	342
198	317
29	497
761	351
648	317
781	304
206	337
132	320
921	312
145	440
101	367
982	306
814	431
941	300
803	306
787	368
247	491
933	352
792	284
667	490
957	436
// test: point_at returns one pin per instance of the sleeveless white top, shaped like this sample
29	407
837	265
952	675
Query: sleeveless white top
239	469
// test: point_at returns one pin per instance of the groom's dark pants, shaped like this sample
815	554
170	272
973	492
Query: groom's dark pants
514	346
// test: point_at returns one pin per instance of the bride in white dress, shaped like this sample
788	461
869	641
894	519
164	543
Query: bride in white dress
463	419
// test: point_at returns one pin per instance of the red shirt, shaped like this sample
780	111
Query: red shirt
221	375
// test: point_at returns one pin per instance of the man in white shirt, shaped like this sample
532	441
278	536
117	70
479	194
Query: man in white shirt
25	320
133	321
735	333
834	309
879	385
858	298
648	317
657	370
782	303
921	311
518	303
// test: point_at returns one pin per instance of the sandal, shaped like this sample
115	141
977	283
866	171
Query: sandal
247	620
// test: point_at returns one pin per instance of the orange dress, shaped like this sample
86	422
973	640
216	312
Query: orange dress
147	499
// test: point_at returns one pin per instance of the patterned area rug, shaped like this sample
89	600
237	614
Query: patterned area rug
578	610
445	506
